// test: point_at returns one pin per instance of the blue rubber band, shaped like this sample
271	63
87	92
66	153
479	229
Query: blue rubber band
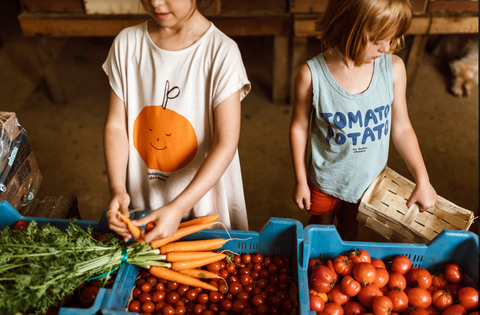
124	260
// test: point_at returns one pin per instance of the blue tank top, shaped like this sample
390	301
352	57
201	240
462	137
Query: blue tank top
350	133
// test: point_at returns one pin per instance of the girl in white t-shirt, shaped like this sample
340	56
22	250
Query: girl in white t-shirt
173	122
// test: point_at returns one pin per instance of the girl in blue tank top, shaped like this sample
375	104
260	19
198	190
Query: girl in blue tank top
351	98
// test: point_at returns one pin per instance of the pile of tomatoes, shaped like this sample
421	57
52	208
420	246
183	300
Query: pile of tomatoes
355	283
249	284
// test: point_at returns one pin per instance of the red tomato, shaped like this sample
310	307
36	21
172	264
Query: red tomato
408	276
378	263
333	309
337	296
399	300
401	264
350	286
453	273
365	273
317	304
88	296
422	278
322	279
453	288
312	263
382	305
353	308
455	309
432	310
20	225
442	300
343	266
419	311
468	298
367	294
419	297
359	255
439	282
382	277
397	280
134	306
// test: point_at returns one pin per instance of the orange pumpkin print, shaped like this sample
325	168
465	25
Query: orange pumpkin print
165	140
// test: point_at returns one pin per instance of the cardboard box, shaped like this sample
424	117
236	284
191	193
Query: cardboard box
20	176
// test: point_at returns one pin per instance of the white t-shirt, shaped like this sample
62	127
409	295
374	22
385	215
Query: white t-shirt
170	97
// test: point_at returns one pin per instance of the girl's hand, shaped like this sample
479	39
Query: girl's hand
166	219
301	196
424	195
118	203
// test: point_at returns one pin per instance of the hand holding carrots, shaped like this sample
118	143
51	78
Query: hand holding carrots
118	204
166	220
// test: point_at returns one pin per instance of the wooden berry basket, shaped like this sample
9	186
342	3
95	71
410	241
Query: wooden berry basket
383	209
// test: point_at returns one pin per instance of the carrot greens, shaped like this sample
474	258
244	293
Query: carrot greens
42	265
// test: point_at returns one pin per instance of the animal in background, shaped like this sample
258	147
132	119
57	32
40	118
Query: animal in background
461	54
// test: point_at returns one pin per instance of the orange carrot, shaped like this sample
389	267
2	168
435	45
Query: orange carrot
135	230
185	256
200	274
188	246
182	265
181	232
171	275
201	220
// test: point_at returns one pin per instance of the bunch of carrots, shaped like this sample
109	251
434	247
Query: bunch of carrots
184	259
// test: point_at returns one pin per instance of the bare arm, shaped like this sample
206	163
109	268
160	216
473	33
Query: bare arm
299	125
406	142
116	157
227	116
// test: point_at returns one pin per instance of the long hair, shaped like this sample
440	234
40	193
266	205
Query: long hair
349	25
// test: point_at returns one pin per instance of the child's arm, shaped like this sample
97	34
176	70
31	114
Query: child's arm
116	157
406	142
227	116
299	125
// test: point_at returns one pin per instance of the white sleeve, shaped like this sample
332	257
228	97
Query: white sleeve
113	68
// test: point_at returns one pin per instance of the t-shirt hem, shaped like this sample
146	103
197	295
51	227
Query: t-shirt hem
244	88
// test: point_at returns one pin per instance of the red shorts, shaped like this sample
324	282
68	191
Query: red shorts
321	203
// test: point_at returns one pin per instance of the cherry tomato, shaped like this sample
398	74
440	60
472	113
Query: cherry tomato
235	288
158	296
267	260
317	304
134	306
172	285
144	297
180	310
257	258
149	226
213	267
468	298
214	297
243	296
159	286
168	310
148	307
226	305
239	306
20	225
88	296
419	297
202	298
246	258
140	281
136	292
191	294
359	255
144	273
401	264
146	287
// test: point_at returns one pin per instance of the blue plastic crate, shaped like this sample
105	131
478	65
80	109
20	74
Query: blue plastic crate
323	241
8	217
278	237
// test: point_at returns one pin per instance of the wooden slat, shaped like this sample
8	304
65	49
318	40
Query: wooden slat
74	6
78	25
453	6
308	6
421	25
246	6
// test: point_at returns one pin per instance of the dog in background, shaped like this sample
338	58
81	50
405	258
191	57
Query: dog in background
461	54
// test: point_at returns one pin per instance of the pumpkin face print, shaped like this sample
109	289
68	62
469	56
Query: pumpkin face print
165	140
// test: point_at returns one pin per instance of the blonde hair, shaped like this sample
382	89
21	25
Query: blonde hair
349	25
